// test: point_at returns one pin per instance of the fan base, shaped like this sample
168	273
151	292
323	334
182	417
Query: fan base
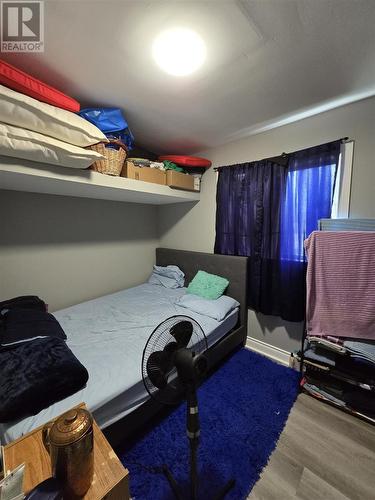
174	486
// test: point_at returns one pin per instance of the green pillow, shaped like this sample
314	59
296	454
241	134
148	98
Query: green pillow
207	285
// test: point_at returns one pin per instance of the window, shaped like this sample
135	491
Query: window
317	187
265	211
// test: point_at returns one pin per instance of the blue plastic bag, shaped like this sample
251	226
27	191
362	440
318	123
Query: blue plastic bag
111	122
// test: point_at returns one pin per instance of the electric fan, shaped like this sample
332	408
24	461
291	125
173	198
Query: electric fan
173	363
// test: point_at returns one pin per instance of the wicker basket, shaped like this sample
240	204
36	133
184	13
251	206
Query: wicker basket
114	158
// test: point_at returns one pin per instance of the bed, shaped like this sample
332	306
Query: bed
108	335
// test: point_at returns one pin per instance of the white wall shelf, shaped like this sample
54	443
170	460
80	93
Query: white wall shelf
22	175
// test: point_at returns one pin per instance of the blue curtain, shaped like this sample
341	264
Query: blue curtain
308	197
264	212
248	209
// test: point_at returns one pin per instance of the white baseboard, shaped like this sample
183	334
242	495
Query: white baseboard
274	353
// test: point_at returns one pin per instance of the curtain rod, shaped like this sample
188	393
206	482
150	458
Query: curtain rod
284	155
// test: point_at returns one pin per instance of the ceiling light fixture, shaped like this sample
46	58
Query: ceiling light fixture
179	51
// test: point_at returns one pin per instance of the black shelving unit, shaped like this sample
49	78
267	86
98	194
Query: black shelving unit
320	374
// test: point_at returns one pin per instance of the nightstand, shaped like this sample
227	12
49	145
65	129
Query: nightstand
111	479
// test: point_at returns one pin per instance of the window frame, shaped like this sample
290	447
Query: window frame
342	193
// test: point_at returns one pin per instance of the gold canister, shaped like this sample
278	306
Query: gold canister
70	444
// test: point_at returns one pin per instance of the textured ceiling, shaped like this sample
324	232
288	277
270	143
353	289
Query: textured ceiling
267	61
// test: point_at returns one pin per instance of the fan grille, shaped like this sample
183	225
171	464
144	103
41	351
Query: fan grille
157	341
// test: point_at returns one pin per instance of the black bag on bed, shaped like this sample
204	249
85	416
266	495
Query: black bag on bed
36	374
17	325
24	302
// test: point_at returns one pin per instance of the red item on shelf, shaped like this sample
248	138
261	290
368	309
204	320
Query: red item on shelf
187	161
20	81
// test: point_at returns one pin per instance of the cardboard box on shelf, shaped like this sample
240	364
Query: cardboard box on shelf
179	180
197	182
145	174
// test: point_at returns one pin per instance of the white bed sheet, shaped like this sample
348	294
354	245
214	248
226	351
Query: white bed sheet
108	336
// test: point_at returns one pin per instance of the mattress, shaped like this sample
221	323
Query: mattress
108	336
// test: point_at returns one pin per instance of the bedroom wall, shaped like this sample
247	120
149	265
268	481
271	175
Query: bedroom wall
67	250
193	227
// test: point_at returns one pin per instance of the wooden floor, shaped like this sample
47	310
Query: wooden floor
323	453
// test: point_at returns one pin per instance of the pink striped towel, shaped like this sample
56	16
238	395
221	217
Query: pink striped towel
341	284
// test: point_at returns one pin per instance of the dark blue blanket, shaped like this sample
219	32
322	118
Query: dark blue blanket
36	374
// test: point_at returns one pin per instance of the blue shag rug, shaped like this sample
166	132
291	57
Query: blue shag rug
243	408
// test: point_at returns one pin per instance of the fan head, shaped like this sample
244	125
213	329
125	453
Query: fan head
173	353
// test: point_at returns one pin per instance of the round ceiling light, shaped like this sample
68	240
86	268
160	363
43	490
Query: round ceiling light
179	51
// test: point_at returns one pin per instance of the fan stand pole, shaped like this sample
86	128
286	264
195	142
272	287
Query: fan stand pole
193	432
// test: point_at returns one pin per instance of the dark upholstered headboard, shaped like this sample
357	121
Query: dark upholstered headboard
230	267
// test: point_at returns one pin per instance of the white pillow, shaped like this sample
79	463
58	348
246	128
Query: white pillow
20	143
26	112
213	308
